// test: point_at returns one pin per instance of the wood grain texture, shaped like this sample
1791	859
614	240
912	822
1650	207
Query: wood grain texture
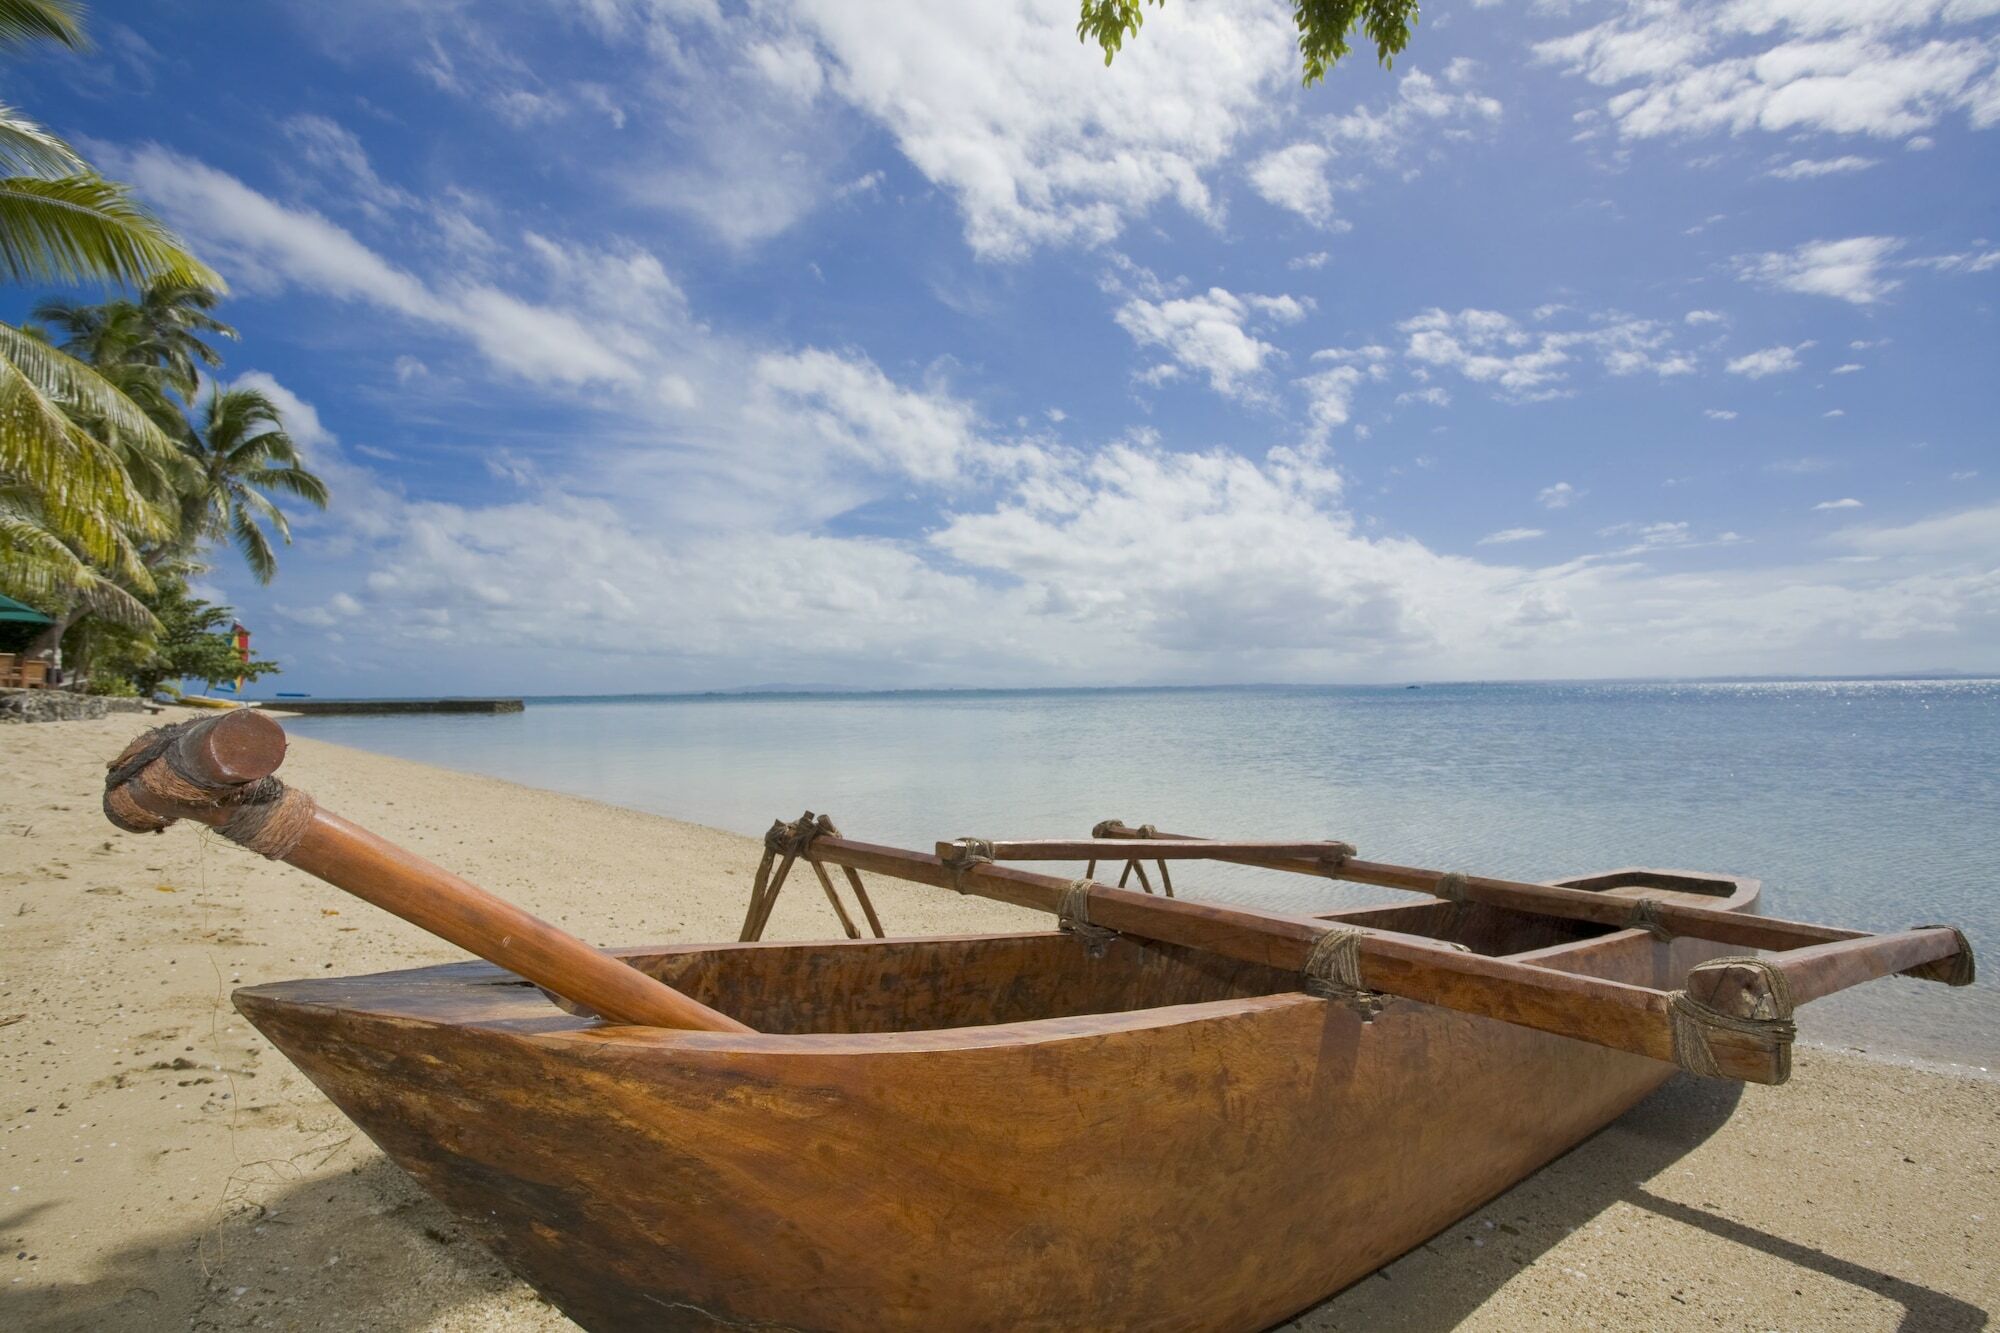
992	1132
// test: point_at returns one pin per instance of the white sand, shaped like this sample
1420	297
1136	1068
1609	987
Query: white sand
161	1167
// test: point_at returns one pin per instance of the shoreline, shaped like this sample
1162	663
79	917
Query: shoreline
162	1166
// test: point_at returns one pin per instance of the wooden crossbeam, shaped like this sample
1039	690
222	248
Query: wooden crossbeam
1704	923
1608	1013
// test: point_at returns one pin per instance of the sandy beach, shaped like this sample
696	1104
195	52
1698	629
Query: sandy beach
161	1167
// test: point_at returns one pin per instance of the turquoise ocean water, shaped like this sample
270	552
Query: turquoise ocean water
1873	804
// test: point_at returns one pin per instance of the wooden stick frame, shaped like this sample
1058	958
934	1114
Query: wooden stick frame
1731	1019
784	844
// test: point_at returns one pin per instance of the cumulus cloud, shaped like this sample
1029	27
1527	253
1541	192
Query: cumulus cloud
1489	347
1559	496
1768	361
1040	144
1849	270
1849	503
1508	536
1210	334
1881	68
1809	168
1296	176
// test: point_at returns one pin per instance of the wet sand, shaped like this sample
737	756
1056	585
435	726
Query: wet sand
161	1167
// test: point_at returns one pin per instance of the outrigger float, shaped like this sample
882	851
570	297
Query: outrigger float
1163	1114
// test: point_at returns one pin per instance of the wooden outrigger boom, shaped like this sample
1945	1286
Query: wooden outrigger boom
1732	1019
1044	1129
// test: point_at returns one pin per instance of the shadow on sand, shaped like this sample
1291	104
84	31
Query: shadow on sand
1440	1284
365	1249
368	1250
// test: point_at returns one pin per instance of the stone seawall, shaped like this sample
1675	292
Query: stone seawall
60	706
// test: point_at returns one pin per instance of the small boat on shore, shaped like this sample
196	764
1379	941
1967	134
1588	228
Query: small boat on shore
1163	1114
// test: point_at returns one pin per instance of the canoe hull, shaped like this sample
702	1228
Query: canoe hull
1218	1164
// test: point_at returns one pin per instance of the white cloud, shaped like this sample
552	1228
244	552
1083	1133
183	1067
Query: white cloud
1559	496
1698	317
1210	334
1424	109
1883	68
1963	262
1489	347
1848	369
857	411
1808	168
1718	414
999	104
1849	503
1768	361
1848	270
1294	178
1316	260
1508	536
267	245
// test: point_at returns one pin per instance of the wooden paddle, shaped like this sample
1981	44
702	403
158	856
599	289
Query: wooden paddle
217	771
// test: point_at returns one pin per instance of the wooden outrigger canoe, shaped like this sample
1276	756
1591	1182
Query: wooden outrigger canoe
1163	1115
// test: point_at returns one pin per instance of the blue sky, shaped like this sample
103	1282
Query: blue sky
660	344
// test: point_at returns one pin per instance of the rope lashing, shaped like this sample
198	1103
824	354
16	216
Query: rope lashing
1451	887
1692	1020
1333	971
265	816
1336	855
795	838
1073	917
1103	827
1957	970
1646	916
967	853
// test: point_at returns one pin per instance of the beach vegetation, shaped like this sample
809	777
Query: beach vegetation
191	641
117	459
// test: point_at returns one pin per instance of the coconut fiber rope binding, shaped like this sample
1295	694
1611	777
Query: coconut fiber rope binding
967	853
1333	972
1073	918
154	773
1694	1020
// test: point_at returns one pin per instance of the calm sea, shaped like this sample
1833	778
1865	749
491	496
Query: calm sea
1873	804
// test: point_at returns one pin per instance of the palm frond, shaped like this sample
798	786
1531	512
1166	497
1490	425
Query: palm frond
256	547
294	481
26	149
24	21
81	485
81	389
83	228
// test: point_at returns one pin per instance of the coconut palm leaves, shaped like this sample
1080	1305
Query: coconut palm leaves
24	21
241	450
72	509
83	228
78	456
164	330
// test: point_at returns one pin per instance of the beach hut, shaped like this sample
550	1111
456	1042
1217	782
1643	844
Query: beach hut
20	626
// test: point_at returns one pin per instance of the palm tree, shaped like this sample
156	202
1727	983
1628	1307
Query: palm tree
240	450
163	328
71	513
